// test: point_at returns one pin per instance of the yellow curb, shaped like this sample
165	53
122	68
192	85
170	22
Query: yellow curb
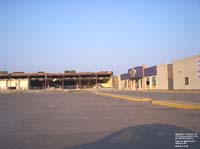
166	91
125	97
153	102
176	105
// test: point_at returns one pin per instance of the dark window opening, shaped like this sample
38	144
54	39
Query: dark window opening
186	81
147	81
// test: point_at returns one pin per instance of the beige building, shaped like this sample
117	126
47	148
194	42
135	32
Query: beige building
133	79
124	82
156	77
186	73
3	84
19	84
117	82
142	78
182	74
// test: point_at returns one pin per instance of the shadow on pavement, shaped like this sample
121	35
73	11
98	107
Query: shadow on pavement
151	136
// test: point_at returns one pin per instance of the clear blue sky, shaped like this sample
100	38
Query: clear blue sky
89	35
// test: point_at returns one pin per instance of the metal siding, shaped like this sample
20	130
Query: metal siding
151	71
125	76
139	72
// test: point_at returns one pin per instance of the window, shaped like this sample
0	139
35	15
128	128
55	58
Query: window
147	81
136	84
153	82
186	81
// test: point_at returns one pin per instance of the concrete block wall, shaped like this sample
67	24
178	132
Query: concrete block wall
162	77
19	84
12	83
186	68
23	84
3	84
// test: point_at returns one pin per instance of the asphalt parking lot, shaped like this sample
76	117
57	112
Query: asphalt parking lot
84	120
173	96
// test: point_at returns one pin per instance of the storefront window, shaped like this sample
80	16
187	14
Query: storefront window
147	82
153	82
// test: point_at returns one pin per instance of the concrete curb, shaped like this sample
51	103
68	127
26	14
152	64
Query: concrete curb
176	105
175	92
166	91
153	102
125	97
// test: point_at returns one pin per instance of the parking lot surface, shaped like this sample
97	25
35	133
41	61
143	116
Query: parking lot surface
84	120
171	96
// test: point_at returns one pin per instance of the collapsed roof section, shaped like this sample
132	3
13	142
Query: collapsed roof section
69	74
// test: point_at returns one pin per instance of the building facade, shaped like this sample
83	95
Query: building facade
156	77
186	73
182	74
133	79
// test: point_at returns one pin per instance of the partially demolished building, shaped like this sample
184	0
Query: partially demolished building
43	80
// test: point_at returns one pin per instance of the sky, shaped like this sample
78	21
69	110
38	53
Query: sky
91	35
